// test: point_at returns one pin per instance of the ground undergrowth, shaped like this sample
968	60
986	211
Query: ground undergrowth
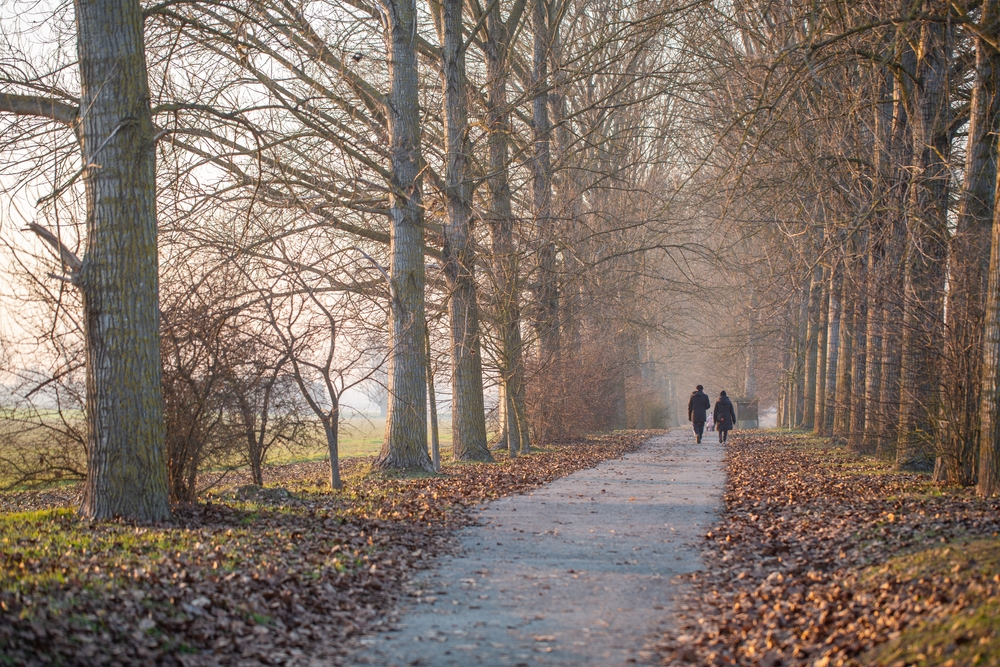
283	574
828	559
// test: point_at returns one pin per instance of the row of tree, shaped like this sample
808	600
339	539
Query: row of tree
252	195
863	174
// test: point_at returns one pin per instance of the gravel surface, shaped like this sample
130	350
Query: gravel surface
576	573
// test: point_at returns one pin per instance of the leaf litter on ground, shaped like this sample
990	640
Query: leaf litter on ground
281	575
827	559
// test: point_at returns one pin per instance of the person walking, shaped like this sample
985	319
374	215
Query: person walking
725	416
698	407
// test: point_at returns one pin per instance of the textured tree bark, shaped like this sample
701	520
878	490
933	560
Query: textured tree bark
988	482
988	472
468	416
927	220
892	322
812	348
883	186
781	406
799	392
126	464
405	444
331	428
750	358
989	434
822	347
501	222
858	404
541	188
895	244
432	411
833	349
845	363
969	262
502	441
786	360
874	412
513	426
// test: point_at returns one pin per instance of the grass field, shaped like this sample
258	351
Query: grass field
359	436
21	446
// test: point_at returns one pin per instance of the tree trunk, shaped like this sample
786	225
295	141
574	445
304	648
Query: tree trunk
892	283
331	427
502	440
126	464
432	410
858	403
833	349
405	444
875	416
812	348
254	455
786	360
799	388
468	416
892	322
845	362
988	483
750	359
884	183
927	221
541	188
513	426
822	347
250	436
501	222
969	262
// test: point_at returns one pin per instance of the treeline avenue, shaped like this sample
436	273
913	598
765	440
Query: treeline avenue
867	181
236	211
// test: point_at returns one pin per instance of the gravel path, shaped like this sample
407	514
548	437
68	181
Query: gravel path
576	573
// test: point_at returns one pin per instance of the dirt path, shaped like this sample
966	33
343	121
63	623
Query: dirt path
576	573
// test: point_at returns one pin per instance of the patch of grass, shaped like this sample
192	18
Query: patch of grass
52	548
971	638
977	558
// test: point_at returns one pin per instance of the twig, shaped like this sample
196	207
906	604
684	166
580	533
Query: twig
67	256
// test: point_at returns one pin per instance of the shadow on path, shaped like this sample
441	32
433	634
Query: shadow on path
575	573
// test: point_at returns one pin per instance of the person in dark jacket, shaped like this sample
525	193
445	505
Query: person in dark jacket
698	407
725	416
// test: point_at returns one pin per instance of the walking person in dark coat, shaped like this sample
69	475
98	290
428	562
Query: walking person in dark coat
698	411
725	416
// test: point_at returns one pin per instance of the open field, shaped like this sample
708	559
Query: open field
359	436
23	446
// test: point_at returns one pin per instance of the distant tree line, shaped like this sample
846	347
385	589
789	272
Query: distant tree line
860	177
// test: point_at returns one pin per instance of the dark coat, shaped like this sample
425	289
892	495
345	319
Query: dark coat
725	414
698	407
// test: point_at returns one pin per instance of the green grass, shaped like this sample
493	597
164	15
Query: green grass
359	436
973	558
971	638
38	546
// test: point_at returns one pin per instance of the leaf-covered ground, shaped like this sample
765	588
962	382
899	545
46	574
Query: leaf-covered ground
823	558
276	575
